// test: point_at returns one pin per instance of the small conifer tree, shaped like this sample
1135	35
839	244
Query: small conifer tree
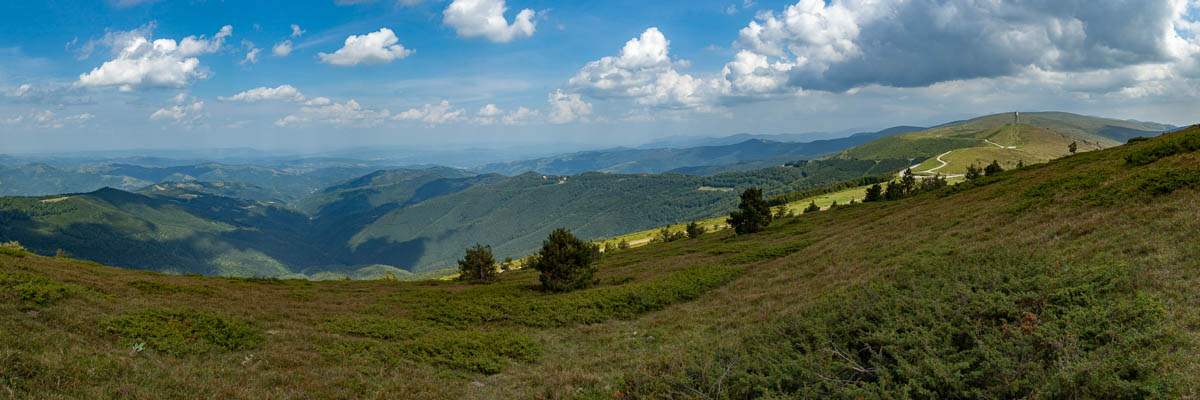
752	215
874	193
973	172
993	169
478	265
565	262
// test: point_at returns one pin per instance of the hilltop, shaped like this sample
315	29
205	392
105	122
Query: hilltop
1064	279
1039	136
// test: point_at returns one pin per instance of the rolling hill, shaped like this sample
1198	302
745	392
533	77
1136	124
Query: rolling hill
286	184
1070	279
752	153
1043	135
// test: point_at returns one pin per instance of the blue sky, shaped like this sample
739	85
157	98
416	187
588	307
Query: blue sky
117	74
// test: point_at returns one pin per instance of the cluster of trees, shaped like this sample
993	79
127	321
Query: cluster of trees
692	230
975	172
837	187
565	263
907	185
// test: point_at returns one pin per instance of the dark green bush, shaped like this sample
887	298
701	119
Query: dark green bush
35	289
379	328
155	287
185	332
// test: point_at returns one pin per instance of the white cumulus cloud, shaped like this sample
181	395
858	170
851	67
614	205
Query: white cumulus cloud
296	31
645	72
371	49
282	49
565	108
283	92
475	18
521	116
348	114
140	62
433	113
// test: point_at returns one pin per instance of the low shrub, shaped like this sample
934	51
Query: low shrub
13	249
35	289
483	352
474	308
486	352
185	332
155	287
379	328
1163	181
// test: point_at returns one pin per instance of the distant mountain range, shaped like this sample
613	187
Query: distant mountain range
703	160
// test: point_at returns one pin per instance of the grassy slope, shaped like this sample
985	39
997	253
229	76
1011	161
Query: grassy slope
842	197
1090	132
1067	279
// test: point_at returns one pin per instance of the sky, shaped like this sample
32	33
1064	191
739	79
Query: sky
122	74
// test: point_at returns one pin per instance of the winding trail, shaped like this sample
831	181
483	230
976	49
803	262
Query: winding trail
939	158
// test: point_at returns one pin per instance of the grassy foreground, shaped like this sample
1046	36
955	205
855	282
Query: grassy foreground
1071	279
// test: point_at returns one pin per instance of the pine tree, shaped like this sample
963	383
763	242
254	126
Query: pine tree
781	211
874	193
812	207
565	262
695	230
993	168
1073	147
753	213
893	191
478	265
908	182
973	172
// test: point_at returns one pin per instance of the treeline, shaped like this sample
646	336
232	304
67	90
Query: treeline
837	187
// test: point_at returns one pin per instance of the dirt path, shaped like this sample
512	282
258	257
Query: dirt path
939	158
640	242
999	145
